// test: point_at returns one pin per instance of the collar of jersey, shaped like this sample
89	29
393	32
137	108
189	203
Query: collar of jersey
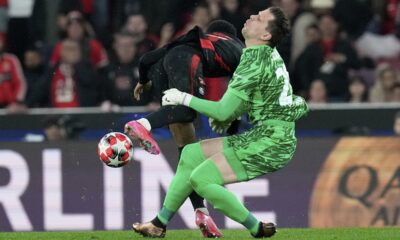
257	47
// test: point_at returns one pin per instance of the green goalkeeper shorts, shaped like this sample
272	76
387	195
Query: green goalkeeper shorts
265	148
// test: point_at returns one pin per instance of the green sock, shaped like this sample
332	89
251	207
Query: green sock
208	182
180	188
252	224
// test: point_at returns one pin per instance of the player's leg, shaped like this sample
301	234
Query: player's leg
185	134
140	129
183	69
208	180
178	191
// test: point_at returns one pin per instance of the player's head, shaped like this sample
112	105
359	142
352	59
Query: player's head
222	26
269	26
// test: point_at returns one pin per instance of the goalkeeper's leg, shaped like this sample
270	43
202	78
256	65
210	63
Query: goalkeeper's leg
209	179
179	190
184	133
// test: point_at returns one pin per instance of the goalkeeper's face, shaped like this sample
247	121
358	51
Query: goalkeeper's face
256	26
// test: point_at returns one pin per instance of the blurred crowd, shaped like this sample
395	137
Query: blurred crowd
79	53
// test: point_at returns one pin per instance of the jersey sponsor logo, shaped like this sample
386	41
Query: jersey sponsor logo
202	86
359	184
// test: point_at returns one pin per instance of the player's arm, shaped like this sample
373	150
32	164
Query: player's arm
229	107
147	60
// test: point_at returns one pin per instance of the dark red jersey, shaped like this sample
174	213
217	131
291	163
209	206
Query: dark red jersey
220	53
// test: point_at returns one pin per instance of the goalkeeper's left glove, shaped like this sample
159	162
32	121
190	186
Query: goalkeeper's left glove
175	97
218	127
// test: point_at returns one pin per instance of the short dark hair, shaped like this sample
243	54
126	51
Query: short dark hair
279	27
222	26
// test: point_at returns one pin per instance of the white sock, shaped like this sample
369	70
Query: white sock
145	123
204	210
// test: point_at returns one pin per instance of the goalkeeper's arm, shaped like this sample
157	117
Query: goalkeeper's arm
226	109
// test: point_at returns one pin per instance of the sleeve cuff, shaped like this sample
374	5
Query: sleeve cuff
187	99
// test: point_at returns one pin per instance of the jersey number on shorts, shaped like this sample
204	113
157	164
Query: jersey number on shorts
285	98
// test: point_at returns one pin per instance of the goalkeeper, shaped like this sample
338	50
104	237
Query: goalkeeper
183	64
260	87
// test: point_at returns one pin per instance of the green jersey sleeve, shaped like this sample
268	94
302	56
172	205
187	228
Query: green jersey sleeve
226	109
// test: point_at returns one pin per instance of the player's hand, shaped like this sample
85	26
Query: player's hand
139	88
175	97
218	127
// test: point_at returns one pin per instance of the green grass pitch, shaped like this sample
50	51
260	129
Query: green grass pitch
283	234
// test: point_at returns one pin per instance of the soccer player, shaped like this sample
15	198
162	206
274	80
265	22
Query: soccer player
260	87
183	64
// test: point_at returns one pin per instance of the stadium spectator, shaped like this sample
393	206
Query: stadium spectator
136	25
34	70
353	16
318	92
200	17
296	42
396	92
389	14
71	83
329	59
166	34
214	9
12	81
358	90
231	12
77	30
302	70
313	34
3	17
59	128
54	130
122	75
386	78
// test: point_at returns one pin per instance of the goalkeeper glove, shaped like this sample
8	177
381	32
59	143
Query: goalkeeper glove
175	97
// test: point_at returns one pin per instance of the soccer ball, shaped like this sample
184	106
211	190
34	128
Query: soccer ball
115	149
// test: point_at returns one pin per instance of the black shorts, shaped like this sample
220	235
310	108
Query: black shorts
184	69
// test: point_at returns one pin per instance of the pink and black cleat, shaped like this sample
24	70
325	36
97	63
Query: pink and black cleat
137	132
207	225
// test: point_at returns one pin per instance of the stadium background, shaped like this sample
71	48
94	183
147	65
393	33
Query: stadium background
346	171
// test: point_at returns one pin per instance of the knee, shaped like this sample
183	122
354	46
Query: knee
196	182
185	160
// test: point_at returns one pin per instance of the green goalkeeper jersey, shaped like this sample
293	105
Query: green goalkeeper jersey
262	81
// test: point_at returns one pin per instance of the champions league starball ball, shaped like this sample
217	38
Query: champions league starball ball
115	149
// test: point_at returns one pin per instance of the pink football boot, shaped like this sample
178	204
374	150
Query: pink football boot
139	133
207	225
